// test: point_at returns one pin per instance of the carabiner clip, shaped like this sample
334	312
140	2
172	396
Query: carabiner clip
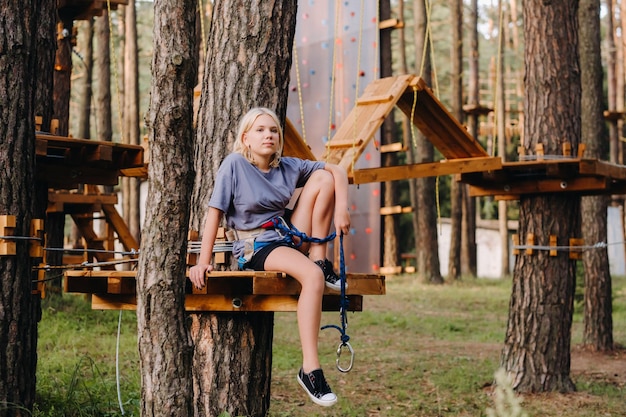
339	349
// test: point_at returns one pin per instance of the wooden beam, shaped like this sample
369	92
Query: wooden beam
437	123
218	283
119	225
294	144
244	303
433	169
582	185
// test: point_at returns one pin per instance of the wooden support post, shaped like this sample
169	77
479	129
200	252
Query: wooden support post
567	149
553	244
192	258
530	241
220	257
539	151
515	243
7	228
575	253
35	248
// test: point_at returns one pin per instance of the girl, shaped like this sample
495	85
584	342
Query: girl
253	188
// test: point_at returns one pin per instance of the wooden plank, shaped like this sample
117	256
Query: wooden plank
358	284
364	120
68	176
583	185
66	197
294	144
434	169
602	168
437	123
246	303
392	147
219	283
119	225
386	211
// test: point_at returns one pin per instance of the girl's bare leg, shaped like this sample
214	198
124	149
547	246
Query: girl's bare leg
314	212
309	311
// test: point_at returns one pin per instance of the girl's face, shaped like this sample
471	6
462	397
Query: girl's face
262	139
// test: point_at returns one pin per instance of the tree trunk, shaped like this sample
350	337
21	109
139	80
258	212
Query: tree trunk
423	193
86	96
501	144
256	68
598	311
390	222
456	189
131	132
21	23
537	345
469	248
104	131
165	347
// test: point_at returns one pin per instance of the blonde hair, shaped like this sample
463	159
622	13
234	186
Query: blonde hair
246	124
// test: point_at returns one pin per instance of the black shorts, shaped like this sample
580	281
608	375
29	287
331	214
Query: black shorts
257	262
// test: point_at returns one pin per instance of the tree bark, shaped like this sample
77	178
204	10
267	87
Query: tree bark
253	71
537	345
86	95
165	347
423	192
456	189
598	310
469	248
131	132
55	222
19	308
501	139
390	222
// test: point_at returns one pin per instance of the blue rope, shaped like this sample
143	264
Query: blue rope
290	231
344	301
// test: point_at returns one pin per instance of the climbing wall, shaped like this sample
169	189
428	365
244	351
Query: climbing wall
336	58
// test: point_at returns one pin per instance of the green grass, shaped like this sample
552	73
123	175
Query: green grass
419	351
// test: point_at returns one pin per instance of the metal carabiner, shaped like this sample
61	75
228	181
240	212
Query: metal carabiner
339	349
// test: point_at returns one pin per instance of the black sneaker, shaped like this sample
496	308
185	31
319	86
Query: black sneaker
316	386
332	280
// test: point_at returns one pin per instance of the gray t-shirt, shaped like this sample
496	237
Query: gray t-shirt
250	197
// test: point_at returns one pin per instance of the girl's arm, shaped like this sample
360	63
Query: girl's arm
198	272
341	217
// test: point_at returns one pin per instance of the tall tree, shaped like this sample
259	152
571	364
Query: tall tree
598	311
131	131
104	129
248	62
501	137
390	222
18	329
456	188
423	190
86	95
165	348
537	345
469	248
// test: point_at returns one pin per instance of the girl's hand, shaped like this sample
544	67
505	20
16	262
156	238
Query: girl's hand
342	222
197	274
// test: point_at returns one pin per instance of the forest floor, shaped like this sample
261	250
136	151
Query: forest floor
420	351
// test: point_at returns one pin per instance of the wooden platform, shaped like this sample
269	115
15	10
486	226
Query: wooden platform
85	9
225	291
567	175
65	162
